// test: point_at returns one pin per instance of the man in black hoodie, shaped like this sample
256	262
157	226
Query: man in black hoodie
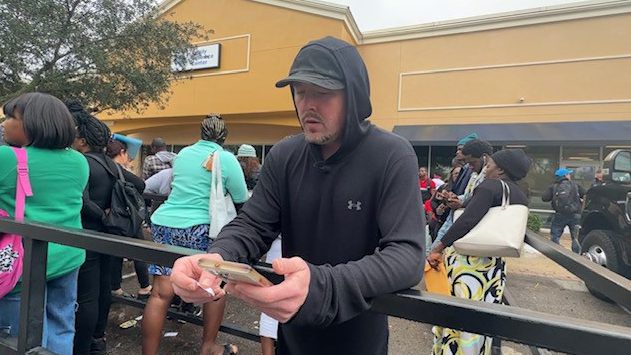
344	195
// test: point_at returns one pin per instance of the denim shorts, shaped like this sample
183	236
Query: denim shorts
195	237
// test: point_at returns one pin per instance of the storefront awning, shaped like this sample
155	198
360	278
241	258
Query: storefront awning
575	133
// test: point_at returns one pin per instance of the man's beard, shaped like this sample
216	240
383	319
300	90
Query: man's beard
320	140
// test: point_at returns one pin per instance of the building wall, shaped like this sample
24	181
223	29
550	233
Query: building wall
576	70
258	42
479	77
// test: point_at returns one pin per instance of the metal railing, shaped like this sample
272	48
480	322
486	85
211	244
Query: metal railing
511	323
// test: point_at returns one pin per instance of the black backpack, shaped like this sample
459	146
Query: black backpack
127	207
565	197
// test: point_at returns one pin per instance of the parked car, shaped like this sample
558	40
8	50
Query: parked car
605	233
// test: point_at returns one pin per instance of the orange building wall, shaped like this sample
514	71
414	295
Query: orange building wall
450	79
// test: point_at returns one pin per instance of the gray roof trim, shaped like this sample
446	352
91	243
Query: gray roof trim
577	133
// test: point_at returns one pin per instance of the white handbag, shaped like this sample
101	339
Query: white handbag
221	207
499	233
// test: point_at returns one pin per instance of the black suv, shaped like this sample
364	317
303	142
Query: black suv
605	234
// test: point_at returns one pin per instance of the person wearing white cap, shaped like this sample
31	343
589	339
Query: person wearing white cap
250	164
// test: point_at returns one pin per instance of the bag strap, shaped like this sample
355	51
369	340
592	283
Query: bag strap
23	183
216	182
121	177
102	162
505	194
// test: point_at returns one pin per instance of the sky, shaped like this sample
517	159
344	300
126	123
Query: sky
379	14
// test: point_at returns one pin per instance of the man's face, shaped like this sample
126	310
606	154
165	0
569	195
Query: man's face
459	155
599	176
422	173
321	112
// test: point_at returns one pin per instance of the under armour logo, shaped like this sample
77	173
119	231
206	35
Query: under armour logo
357	206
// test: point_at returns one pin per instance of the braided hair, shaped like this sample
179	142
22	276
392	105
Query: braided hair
95	132
214	129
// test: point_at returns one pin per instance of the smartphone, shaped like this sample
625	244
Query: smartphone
235	272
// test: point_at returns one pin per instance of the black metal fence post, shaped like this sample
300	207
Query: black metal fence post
32	295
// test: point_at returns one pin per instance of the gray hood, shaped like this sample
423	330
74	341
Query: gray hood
166	157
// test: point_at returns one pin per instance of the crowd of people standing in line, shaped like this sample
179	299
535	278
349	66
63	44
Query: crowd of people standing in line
74	161
350	231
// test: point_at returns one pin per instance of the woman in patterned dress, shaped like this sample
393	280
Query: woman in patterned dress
183	220
478	278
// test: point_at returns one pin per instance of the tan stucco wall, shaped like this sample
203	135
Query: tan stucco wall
274	36
543	63
544	83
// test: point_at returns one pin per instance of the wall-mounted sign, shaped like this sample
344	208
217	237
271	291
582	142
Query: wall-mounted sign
205	57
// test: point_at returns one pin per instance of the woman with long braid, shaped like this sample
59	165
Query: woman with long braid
183	220
94	286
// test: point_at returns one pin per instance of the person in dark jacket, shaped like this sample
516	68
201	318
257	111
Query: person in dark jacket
472	277
160	159
598	178
246	155
439	205
117	150
351	230
94	286
564	215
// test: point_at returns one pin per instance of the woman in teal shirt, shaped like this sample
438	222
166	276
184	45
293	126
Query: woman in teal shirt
183	220
42	124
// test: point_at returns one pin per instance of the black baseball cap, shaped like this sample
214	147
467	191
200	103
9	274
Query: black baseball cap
315	65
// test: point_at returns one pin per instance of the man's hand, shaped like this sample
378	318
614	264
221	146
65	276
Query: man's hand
190	281
281	301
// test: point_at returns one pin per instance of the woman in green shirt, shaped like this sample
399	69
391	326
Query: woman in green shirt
42	124
184	220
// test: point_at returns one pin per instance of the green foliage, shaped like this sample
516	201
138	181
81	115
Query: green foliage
534	222
109	54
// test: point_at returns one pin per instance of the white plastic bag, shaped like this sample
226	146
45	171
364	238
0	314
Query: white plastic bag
221	207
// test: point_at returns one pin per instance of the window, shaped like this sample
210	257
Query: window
622	161
422	154
441	160
622	167
545	161
584	160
